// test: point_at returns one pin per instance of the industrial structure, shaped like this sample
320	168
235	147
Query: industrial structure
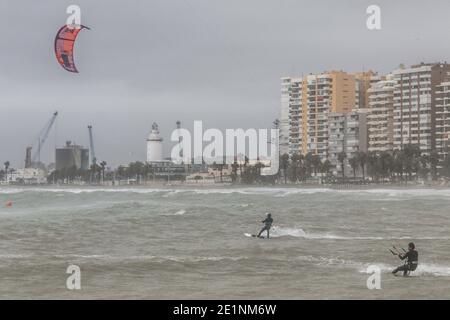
72	156
34	171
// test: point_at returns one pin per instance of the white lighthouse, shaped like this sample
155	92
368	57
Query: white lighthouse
154	145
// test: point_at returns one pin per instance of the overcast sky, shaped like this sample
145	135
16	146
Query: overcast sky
219	61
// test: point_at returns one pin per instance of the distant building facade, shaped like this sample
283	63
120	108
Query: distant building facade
363	81
284	116
307	102
294	106
409	106
380	121
443	120
415	96
28	176
348	134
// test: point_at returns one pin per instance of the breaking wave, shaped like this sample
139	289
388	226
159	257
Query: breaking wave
386	194
277	232
152	258
422	270
80	190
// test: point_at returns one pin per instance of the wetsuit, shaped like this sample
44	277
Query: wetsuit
267	225
412	261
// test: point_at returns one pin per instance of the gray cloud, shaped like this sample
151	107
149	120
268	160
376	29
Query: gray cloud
216	61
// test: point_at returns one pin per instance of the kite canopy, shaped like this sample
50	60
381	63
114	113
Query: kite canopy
64	43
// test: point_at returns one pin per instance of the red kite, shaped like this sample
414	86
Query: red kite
64	43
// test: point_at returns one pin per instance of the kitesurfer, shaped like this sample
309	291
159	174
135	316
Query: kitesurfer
412	260
267	225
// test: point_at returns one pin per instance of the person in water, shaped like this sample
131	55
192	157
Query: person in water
412	260
267	225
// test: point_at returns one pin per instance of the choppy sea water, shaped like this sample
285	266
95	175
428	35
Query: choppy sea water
189	243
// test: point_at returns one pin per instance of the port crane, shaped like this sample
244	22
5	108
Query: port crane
91	142
42	137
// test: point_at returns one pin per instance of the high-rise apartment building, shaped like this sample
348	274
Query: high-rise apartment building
443	119
363	81
295	115
408	106
284	116
415	104
347	133
380	120
309	100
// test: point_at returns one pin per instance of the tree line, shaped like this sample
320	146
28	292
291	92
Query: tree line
403	165
98	173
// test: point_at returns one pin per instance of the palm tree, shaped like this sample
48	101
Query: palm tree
362	157
295	167
284	165
434	161
446	166
139	167
326	167
136	169
103	167
6	164
423	165
257	170
220	166
341	158
354	163
122	172
398	163
234	168
240	167
308	163
386	164
148	168
316	163
411	156
373	164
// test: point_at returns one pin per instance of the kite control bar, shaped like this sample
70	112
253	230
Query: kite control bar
397	252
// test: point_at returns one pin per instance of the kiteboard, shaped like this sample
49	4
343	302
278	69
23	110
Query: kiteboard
249	235
409	275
